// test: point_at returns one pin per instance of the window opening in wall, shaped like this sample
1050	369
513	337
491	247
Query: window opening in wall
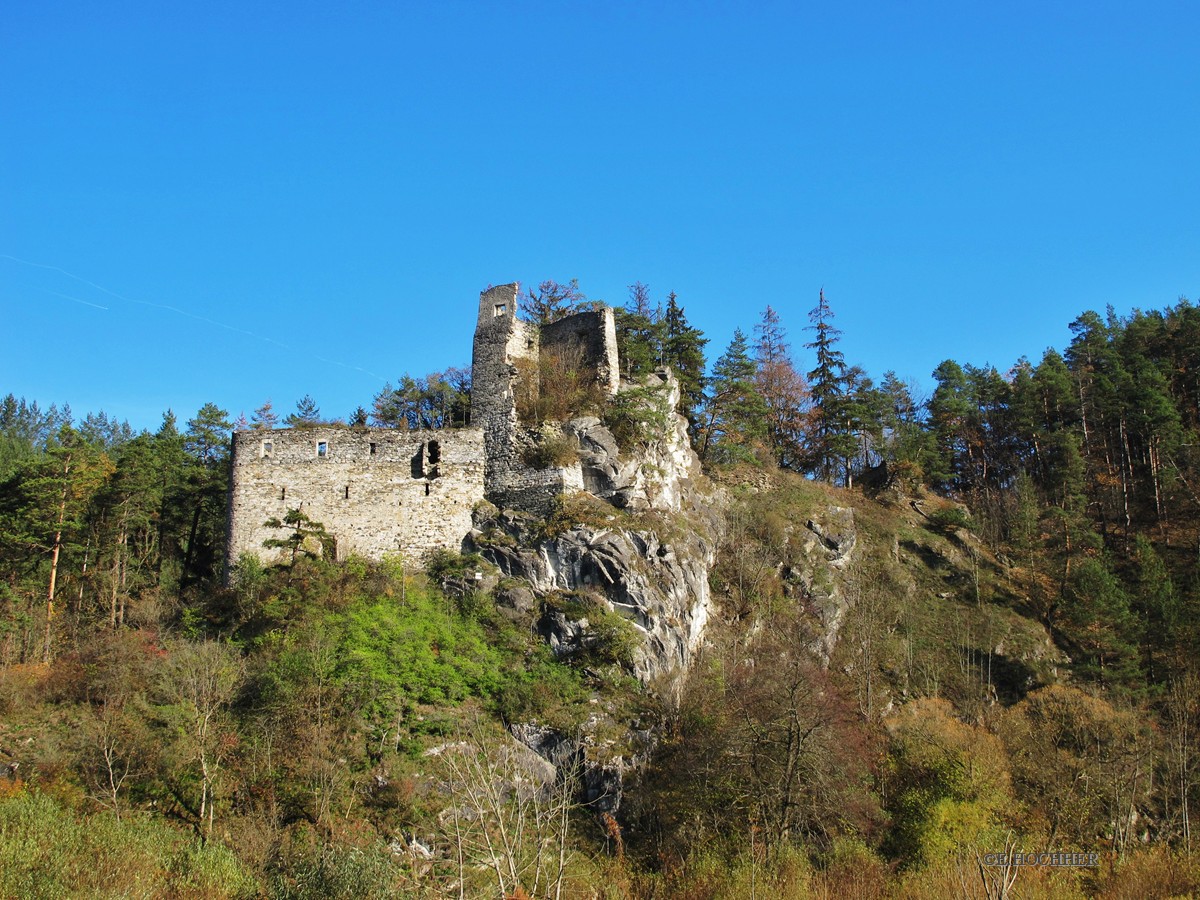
322	449
283	493
434	453
267	448
501	309
427	489
417	468
372	448
529	344
347	495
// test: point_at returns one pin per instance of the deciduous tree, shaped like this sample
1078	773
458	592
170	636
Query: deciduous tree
551	301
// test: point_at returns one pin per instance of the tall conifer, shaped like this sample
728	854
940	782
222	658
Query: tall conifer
829	439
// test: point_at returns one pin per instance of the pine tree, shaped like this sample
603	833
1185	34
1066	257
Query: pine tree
307	413
207	443
207	439
905	439
864	412
1096	618
43	520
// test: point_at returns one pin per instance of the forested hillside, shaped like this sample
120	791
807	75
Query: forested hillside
1007	661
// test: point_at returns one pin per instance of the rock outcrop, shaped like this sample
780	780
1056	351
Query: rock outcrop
637	543
658	584
827	543
644	553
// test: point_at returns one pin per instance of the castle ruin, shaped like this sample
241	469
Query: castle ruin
387	490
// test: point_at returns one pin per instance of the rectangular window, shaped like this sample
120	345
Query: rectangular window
372	448
267	448
322	449
501	309
347	495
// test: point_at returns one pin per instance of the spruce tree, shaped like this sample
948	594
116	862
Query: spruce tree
735	414
683	351
829	440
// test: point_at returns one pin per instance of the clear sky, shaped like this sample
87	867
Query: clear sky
236	201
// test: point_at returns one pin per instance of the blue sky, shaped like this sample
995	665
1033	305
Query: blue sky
241	201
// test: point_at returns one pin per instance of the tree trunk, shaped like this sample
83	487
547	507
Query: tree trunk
54	557
186	577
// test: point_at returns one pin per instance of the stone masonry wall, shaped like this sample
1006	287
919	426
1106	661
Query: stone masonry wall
501	339
377	490
591	337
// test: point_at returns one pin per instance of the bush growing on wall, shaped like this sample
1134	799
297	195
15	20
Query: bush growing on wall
552	449
556	387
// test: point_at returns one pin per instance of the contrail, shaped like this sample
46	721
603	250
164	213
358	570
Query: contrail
69	297
175	309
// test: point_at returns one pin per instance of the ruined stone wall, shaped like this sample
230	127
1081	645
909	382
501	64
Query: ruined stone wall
501	340
377	490
589	339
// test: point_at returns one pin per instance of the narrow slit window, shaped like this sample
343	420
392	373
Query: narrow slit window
433	454
427	489
372	448
346	496
283	493
322	449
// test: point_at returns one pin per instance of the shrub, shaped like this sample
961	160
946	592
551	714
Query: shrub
442	564
638	416
951	518
551	449
49	850
580	508
557	387
612	638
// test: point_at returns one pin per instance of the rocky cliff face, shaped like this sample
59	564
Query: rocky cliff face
637	543
659	585
644	553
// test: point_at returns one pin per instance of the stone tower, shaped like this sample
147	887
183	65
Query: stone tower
501	341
